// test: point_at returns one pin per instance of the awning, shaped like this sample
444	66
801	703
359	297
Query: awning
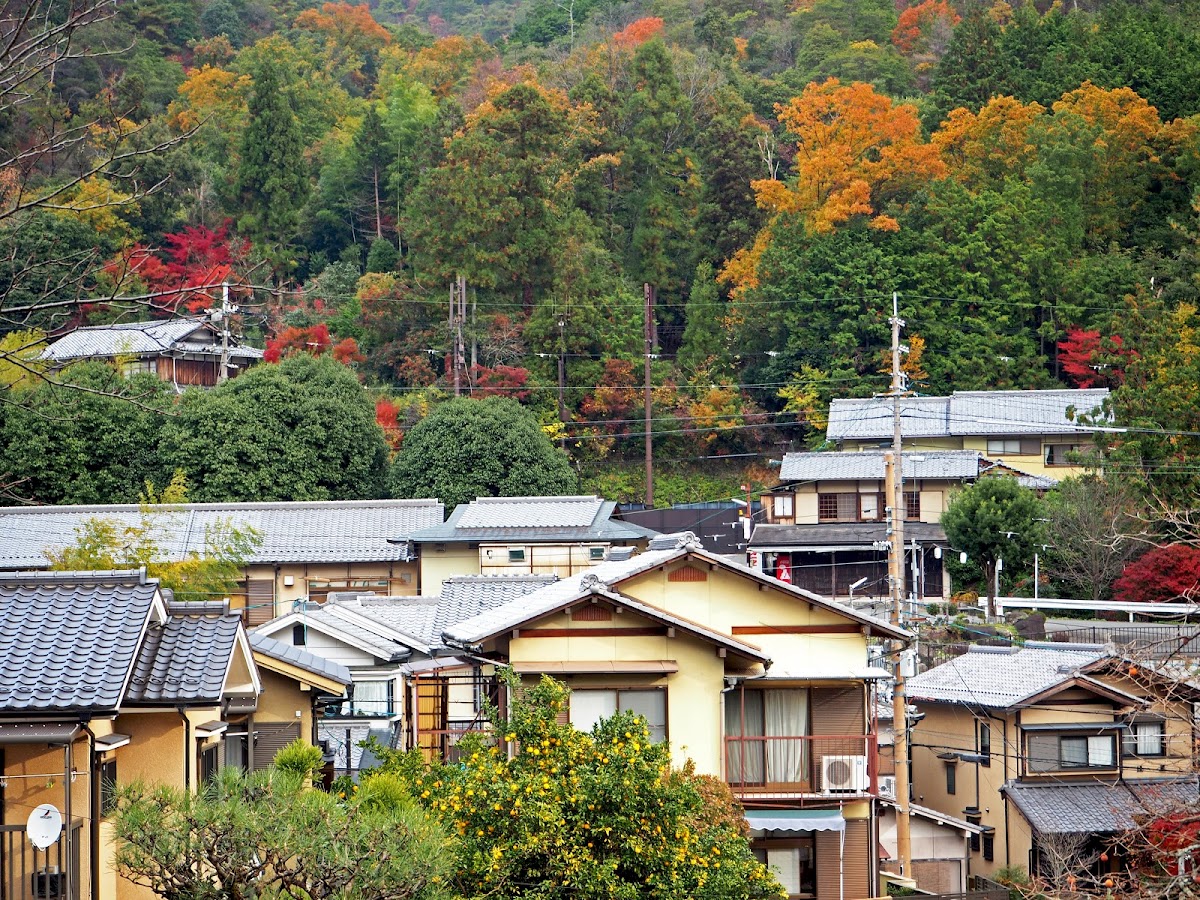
38	732
211	729
112	742
793	820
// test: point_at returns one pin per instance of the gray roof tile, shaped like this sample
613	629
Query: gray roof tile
299	657
144	338
185	659
324	617
534	519
1097	806
1000	677
964	413
954	465
318	531
69	640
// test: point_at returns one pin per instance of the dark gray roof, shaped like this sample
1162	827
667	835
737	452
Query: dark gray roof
533	520
300	658
1000	677
186	659
839	534
316	531
69	640
1099	807
189	335
949	465
965	413
351	628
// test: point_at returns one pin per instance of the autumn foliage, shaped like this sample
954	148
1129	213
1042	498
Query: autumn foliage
920	26
1163	575
1085	358
638	32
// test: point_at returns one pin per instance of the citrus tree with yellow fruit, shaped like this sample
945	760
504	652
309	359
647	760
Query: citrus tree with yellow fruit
576	815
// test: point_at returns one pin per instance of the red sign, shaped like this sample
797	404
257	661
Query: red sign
783	570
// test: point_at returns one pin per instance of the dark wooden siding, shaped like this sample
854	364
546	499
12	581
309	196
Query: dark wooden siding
856	868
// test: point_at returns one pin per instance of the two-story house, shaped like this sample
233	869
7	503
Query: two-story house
757	681
187	352
523	535
1036	432
1053	750
305	549
105	679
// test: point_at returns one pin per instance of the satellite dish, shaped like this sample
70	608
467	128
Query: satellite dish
44	826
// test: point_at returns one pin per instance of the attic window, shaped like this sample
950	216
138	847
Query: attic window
516	555
299	636
687	573
596	553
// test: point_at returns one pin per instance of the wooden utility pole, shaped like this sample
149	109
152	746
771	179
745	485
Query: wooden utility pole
648	291
562	367
223	372
458	313
895	491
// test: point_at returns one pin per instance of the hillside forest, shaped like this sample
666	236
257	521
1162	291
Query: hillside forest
1024	178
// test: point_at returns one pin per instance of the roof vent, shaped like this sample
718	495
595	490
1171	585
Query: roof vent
1007	650
620	554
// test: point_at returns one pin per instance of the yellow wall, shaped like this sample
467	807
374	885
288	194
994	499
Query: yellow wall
935	497
1031	463
438	565
281	699
393	579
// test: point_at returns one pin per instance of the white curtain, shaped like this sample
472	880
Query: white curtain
744	718
589	707
371	698
786	717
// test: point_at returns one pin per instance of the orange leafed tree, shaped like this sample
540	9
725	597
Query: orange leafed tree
449	64
638	32
351	27
925	28
987	145
856	153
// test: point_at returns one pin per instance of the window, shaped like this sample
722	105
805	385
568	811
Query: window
516	555
1004	445
139	367
985	744
951	778
108	786
588	707
237	753
366	698
794	863
1057	454
209	763
837	507
320	588
768	722
596	553
1145	739
974	819
989	846
299	635
912	506
868	507
783	506
1091	752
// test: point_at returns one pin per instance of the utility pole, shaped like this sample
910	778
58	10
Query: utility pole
562	366
458	312
223	372
895	488
648	292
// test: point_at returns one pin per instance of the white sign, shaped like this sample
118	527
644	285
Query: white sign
44	826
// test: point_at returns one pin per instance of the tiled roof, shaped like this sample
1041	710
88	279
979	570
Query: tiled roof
318	531
607	576
1000	677
840	534
1097	806
143	338
185	660
965	413
534	519
69	640
300	658
954	465
324	618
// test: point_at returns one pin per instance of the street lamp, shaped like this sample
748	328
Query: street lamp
854	587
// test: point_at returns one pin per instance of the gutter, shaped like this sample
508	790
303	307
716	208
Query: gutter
187	746
94	810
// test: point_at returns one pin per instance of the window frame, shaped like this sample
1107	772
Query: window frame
989	846
1087	739
1048	454
1129	740
349	708
912	506
761	847
951	777
107	773
1003	445
984	743
630	689
783	506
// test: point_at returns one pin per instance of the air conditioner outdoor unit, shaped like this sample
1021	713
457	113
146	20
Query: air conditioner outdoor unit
887	787
843	774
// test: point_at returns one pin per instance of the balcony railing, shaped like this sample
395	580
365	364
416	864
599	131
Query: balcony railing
827	765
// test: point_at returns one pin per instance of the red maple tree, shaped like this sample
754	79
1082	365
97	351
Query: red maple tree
1090	360
1162	575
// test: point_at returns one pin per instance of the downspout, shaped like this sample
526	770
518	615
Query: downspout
94	811
187	747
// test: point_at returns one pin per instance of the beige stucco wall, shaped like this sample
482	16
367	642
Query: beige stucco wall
438	565
282	698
